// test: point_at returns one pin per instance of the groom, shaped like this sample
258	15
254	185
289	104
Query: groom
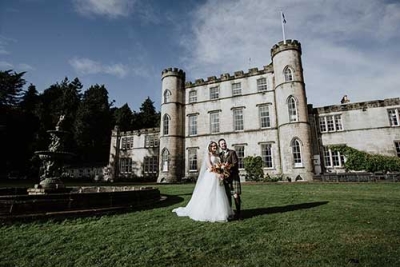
232	182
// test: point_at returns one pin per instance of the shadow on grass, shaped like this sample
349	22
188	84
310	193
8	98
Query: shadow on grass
249	213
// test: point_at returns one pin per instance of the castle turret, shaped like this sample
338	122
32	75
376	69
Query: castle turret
292	116
172	134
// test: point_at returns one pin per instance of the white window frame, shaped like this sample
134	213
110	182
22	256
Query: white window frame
394	117
265	119
214	122
288	74
240	154
165	160
167	96
262	85
292	109
238	120
296	153
267	158
397	148
192	96
214	93
151	140
330	123
192	124
236	88
192	159
150	165
125	165
333	159
166	120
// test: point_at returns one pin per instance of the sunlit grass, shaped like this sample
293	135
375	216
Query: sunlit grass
291	224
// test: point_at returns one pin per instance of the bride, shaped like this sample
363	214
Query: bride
209	201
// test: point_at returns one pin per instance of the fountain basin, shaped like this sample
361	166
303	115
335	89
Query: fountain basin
76	200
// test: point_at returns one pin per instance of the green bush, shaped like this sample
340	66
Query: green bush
361	161
253	167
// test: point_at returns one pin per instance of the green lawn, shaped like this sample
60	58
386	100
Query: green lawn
285	224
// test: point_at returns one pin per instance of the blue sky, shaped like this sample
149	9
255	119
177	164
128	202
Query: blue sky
349	47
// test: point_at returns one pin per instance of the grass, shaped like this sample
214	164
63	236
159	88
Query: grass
285	224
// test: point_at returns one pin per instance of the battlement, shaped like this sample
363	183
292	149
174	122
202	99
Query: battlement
227	76
357	105
139	132
172	72
281	46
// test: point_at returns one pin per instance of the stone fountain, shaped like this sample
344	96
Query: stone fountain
50	198
53	161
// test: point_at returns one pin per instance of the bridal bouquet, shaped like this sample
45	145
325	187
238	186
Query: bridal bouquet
221	168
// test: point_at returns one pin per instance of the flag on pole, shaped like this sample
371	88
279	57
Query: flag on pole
283	18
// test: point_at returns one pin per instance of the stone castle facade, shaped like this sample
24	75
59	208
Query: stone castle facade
259	113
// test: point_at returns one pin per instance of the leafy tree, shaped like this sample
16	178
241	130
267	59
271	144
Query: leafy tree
92	126
148	115
123	117
11	85
11	120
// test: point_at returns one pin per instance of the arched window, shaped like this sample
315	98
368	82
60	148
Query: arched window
167	96
292	109
296	152
166	120
165	160
288	74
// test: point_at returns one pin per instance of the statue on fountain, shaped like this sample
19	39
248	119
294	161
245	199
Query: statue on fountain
53	159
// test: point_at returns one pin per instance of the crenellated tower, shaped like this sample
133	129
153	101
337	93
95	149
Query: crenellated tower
292	116
172	127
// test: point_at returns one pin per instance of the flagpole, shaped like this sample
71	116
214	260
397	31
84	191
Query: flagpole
283	21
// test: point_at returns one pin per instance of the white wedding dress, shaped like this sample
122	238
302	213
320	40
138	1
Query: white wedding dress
209	202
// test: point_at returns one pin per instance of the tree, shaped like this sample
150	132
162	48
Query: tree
123	117
149	118
11	85
92	126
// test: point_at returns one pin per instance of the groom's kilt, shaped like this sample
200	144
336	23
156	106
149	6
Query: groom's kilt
234	186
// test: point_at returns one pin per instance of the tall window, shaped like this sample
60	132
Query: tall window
296	151
331	123
292	108
125	165
238	119
151	140
192	159
166	124
397	146
150	165
240	154
214	92
126	142
214	122
265	121
192	96
394	115
167	96
333	158
236	89
262	85
192	124
266	155
165	160
288	74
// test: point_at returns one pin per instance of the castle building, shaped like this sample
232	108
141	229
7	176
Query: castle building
259	113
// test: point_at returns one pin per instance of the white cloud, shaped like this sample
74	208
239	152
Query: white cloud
25	67
87	66
348	47
110	8
6	65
